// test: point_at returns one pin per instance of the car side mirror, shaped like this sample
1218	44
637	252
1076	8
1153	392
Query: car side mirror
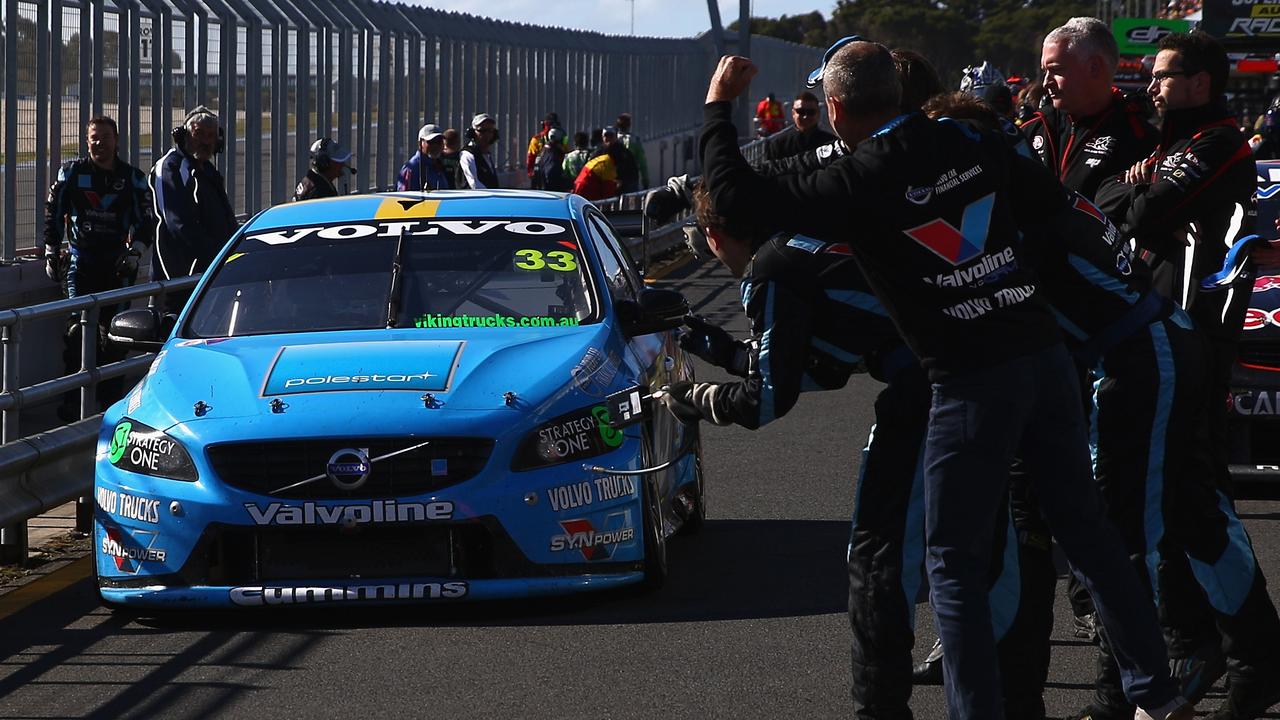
654	310
139	329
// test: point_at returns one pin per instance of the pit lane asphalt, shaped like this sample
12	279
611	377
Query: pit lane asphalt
750	624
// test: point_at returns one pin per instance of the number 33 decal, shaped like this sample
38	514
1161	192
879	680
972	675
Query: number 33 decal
560	261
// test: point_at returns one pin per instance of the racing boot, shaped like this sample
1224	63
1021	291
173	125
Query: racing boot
929	672
1197	674
1085	626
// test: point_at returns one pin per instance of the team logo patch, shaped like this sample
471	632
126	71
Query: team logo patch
1100	145
958	246
920	195
1037	142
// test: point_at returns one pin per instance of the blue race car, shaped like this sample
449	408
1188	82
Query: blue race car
398	397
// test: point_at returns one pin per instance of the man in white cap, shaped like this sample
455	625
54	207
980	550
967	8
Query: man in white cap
425	171
475	162
329	160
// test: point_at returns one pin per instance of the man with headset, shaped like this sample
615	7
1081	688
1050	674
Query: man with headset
194	215
329	160
475	162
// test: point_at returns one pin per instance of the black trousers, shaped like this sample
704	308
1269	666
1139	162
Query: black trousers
85	276
886	558
1160	473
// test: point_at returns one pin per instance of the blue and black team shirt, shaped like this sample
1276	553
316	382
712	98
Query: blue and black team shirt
814	322
933	216
98	211
1099	291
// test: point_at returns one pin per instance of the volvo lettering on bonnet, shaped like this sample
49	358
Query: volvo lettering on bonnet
415	228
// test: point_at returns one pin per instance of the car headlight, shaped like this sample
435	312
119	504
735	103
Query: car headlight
580	434
142	449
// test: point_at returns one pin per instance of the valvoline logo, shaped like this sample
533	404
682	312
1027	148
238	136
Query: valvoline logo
1265	283
958	246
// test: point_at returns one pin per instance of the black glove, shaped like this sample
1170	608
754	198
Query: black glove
713	344
127	265
690	402
663	204
679	400
52	264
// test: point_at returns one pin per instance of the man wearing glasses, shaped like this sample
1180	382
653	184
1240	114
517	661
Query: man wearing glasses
808	136
1184	206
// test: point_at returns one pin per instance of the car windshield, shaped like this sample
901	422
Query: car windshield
453	272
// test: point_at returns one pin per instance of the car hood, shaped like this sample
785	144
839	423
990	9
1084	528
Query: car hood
374	377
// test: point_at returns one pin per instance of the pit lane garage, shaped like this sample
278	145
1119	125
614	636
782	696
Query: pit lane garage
398	397
1254	417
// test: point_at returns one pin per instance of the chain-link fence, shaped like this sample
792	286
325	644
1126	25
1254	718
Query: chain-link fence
281	73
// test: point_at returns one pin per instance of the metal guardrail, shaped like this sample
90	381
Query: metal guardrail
40	472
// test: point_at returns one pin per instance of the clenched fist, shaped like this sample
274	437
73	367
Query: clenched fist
732	76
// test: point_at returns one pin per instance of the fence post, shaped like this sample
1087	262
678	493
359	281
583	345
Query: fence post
13	539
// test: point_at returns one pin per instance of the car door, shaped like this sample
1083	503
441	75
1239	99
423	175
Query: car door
654	354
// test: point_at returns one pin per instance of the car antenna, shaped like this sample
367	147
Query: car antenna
397	282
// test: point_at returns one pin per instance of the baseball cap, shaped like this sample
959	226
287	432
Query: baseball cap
609	130
430	132
480	119
555	135
335	150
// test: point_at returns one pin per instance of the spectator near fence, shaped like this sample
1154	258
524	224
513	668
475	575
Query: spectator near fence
475	165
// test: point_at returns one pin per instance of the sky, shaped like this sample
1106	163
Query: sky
654	18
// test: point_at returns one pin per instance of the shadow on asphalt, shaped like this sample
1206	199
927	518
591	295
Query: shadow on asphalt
733	569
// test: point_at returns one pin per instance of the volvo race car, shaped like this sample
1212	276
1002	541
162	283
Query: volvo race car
1254	417
398	397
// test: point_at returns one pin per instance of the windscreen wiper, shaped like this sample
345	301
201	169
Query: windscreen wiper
394	299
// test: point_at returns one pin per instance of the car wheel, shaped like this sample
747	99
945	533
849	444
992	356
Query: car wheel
693	524
655	543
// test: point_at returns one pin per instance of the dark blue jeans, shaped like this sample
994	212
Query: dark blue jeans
1028	407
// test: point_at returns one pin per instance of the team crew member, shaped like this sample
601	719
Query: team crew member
195	217
329	161
425	170
1091	132
967	307
102	206
817	322
1184	206
1087	134
475	163
805	116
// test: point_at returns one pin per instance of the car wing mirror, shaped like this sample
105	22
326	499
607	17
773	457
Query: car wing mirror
654	310
139	329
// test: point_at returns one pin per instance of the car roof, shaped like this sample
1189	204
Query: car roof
436	203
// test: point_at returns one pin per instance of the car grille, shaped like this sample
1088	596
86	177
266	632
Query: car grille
265	467
1266	354
473	549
